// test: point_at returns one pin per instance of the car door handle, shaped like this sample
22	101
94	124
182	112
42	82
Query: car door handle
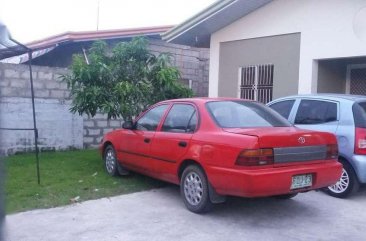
182	143
147	140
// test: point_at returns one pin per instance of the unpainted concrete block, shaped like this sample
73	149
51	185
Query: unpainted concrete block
11	73
42	93
94	132
102	123
63	85
8	91
115	123
37	84
18	83
88	140
45	75
4	82
25	75
89	123
57	94
100	116
52	85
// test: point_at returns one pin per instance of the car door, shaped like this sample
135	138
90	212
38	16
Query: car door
135	144
319	115
172	141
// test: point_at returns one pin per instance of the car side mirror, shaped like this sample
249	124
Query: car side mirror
129	125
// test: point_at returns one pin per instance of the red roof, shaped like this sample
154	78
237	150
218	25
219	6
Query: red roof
94	35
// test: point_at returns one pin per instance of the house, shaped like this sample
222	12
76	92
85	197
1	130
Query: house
265	49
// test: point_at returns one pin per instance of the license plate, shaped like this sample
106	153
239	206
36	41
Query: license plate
301	181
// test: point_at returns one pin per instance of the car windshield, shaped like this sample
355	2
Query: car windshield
244	114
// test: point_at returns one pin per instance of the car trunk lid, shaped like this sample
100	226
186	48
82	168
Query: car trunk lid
290	144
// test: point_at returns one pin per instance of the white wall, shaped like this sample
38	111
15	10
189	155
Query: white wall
57	127
329	29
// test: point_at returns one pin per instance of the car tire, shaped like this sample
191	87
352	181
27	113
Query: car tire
194	190
286	196
110	161
347	184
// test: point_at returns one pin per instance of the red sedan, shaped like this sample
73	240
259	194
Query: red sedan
218	147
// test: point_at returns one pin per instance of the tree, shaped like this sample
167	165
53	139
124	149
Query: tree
123	81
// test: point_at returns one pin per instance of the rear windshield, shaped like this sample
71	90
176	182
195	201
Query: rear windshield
244	114
359	114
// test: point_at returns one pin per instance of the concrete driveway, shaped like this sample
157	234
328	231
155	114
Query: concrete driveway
161	215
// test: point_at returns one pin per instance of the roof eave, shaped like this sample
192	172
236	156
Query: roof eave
196	19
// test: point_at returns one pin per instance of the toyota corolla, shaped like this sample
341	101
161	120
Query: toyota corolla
214	147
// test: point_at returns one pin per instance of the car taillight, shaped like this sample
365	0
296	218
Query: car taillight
332	151
256	157
360	141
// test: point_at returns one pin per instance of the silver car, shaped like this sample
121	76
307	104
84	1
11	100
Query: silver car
343	115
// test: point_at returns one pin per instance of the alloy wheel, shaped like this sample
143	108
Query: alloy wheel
110	161
193	188
342	185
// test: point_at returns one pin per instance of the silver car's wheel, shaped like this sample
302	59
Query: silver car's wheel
342	185
193	189
110	161
347	183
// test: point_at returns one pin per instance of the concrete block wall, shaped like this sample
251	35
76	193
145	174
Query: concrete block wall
58	128
192	62
96	127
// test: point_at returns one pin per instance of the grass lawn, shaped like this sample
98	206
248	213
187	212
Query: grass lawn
64	176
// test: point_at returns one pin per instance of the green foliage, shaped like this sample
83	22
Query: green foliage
123	81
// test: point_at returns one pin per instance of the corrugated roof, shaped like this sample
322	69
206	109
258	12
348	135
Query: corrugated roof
94	35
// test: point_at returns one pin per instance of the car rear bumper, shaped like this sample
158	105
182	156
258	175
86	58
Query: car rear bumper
359	164
271	181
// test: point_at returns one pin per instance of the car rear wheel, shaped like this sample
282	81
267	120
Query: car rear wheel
194	189
346	185
110	161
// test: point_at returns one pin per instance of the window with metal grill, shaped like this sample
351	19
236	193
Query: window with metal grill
256	82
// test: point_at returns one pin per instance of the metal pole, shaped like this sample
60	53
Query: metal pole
34	115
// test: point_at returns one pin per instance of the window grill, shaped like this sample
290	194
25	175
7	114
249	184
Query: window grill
256	82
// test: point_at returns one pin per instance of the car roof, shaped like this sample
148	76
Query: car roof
329	96
203	99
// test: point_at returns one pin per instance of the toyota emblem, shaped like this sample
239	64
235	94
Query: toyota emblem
301	140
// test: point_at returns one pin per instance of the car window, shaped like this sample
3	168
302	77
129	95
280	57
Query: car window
181	118
151	120
316	112
359	114
283	107
242	114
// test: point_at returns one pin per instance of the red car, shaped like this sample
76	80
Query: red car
213	147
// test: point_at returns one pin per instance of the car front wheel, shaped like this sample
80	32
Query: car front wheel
110	161
346	185
194	189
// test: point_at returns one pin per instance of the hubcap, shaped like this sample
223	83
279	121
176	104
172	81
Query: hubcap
193	189
342	184
110	161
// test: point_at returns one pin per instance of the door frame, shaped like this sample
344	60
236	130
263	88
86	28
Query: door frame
350	67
